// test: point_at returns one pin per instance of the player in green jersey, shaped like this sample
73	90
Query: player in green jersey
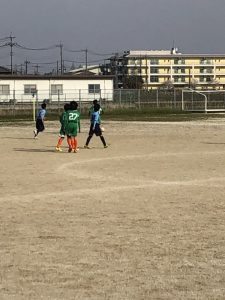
63	120
72	126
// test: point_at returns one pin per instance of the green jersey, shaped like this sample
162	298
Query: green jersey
63	120
72	122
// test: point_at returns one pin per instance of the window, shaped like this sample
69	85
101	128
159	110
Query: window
154	61
56	89
205	61
206	79
154	70
154	78
179	79
4	89
30	89
94	88
179	70
179	61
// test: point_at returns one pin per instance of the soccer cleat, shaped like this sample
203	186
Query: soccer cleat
106	146
75	150
35	134
58	149
86	147
70	150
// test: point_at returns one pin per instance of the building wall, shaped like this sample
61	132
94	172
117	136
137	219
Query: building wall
181	70
72	89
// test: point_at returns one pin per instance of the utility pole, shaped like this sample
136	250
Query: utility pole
61	58
11	44
37	69
26	63
57	68
116	69
86	59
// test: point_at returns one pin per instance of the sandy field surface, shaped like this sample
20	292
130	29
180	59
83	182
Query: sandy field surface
142	219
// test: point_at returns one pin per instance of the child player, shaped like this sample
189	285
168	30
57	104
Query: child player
95	127
40	120
91	109
72	126
63	120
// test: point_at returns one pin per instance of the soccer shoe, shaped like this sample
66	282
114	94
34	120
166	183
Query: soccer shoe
58	149
70	150
75	150
35	134
106	146
86	147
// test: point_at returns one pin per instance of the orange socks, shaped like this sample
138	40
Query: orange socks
74	143
59	142
69	141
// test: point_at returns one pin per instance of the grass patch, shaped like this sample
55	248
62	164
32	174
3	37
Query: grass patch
122	114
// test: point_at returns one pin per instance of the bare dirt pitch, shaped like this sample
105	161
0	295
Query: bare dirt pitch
143	219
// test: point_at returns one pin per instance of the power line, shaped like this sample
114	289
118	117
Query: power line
35	49
100	54
4	39
82	50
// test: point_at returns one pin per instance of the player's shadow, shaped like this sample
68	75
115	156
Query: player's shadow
213	143
17	138
34	150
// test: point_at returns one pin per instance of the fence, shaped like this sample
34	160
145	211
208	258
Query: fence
120	98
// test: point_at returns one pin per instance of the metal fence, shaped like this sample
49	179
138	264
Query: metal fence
121	98
149	98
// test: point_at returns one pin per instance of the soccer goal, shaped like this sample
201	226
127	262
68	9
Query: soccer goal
203	101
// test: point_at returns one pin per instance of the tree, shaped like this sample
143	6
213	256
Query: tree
214	83
167	85
193	83
133	82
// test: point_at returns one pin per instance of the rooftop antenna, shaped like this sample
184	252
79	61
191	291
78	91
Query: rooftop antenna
174	50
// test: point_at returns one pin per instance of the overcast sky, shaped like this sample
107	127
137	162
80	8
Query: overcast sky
107	26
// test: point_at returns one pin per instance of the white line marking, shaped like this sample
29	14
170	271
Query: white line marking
148	156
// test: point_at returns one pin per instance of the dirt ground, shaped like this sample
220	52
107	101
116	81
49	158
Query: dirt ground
142	219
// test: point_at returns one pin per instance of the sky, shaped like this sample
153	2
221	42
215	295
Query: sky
107	26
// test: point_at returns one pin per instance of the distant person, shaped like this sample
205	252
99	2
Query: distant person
40	120
95	127
62	133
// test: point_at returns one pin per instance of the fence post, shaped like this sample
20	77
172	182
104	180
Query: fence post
58	101
36	101
174	98
14	102
139	99
120	97
80	100
182	101
157	98
100	97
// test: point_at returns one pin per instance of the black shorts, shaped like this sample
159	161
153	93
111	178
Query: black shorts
40	125
97	130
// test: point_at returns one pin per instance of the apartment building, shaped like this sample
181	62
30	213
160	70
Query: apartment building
169	68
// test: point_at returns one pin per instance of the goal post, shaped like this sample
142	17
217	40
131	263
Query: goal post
203	101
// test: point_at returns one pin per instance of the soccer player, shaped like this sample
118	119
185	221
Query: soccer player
95	127
91	110
72	126
63	120
40	120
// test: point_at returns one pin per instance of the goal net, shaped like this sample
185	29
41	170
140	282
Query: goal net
203	101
